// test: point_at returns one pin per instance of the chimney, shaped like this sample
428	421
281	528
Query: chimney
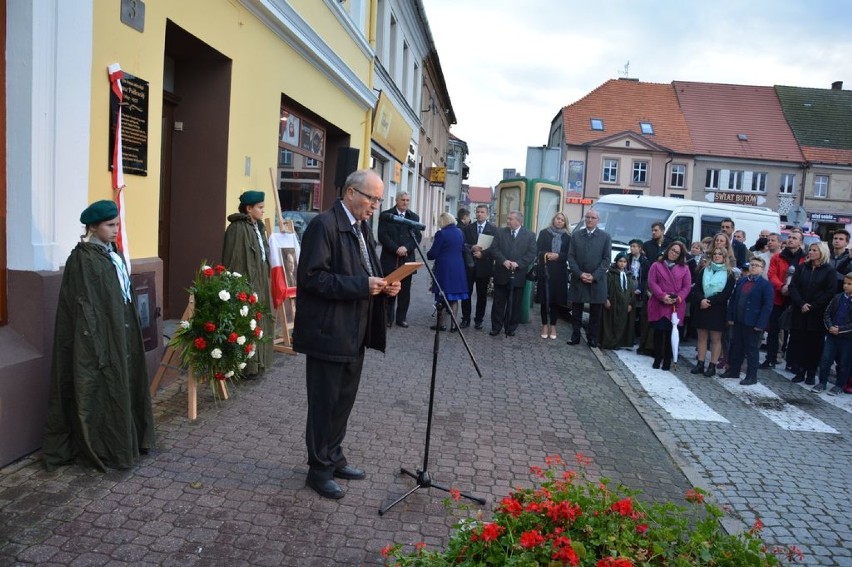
837	85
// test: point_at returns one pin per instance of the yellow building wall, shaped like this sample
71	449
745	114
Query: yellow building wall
263	68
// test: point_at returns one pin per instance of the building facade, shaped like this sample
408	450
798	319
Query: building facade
256	94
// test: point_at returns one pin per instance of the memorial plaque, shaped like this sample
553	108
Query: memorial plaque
134	125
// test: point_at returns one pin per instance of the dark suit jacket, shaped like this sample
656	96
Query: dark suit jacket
392	236
484	266
336	317
520	249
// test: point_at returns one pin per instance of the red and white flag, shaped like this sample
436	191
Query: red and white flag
283	258
115	75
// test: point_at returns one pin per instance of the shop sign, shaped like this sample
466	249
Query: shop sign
578	201
390	130
735	198
437	175
831	217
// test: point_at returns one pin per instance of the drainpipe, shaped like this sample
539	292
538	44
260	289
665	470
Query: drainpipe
666	172
585	176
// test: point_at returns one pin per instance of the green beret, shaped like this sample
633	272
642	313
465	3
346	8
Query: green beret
621	255
99	211
252	197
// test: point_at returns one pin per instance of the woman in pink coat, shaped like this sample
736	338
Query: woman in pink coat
669	281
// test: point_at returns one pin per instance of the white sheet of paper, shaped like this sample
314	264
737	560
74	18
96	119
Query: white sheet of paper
484	241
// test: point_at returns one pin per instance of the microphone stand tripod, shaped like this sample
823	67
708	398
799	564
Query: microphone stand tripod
421	476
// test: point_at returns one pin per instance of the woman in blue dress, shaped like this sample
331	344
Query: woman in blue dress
450	271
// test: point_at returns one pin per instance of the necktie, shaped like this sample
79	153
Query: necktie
588	234
479	228
363	244
514	234
121	272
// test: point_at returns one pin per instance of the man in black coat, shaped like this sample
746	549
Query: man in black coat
398	248
740	249
339	312
589	258
513	252
483	267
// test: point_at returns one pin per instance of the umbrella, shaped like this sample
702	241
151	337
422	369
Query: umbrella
675	334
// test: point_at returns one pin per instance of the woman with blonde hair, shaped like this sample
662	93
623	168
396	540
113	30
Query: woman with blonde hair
450	271
552	274
723	241
714	284
813	285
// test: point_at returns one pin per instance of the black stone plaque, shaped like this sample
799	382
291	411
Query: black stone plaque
134	125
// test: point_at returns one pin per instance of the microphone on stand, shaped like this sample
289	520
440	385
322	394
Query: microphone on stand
390	217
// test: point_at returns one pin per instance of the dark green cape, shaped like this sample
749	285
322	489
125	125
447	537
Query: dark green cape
241	253
99	404
616	323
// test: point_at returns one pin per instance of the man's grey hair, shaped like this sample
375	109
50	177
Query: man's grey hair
403	194
519	216
358	178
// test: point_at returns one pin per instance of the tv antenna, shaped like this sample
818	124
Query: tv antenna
626	72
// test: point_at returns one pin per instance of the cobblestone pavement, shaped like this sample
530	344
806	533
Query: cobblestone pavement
776	451
229	489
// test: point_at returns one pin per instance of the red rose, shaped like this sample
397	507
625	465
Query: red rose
252	299
242	296
209	326
219	376
208	272
258	315
232	338
257	331
220	268
249	348
200	343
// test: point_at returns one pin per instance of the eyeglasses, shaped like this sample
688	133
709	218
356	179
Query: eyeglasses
373	200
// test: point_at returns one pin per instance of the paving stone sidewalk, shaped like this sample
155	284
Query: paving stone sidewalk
229	489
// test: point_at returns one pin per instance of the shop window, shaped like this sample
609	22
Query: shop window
301	151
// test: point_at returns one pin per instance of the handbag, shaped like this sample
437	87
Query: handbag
467	256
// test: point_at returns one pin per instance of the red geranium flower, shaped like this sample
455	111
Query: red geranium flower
511	506
491	531
531	539
208	272
564	551
200	343
641	528
694	496
614	562
220	268
387	549
418	547
209	326
232	338
623	507
220	376
456	494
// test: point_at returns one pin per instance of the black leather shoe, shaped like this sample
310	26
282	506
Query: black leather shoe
494	332
350	473
390	324
326	488
748	382
593	343
434	327
403	324
478	326
573	341
510	333
730	374
464	324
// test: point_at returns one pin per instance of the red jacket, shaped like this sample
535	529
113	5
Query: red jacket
777	272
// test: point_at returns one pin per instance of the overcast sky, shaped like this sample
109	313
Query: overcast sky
511	65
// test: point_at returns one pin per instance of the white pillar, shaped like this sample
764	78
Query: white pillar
48	110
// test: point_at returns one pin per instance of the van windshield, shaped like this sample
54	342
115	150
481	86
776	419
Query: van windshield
623	223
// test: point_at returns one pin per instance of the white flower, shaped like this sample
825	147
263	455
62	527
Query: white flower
242	365
254	295
244	311
236	274
251	354
224	295
205	267
241	340
252	324
260	335
229	374
184	324
216	353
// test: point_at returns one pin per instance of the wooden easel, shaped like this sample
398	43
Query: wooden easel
172	361
283	338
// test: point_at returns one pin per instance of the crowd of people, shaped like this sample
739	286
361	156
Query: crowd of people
727	295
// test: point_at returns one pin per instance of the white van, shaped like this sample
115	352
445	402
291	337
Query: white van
625	217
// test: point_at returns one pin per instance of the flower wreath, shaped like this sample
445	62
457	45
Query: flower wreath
224	330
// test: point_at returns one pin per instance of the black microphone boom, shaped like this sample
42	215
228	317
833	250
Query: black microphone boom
390	217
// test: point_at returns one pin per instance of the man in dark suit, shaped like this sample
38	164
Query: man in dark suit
589	257
339	313
740	249
513	252
483	267
398	248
